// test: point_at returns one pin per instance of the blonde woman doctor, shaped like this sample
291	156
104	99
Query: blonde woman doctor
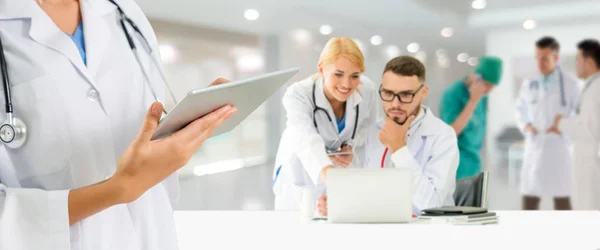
328	112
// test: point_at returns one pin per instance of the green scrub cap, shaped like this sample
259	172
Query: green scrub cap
490	69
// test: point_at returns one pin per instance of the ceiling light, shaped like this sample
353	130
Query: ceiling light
462	57
447	32
413	47
326	29
302	37
251	14
168	53
392	51
473	61
376	40
529	24
479	4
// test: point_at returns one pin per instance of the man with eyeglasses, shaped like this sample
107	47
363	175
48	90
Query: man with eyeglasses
464	107
410	136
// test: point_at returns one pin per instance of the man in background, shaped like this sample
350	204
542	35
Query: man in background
464	108
547	160
584	129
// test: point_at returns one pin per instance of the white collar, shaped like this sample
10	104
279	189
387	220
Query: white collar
593	77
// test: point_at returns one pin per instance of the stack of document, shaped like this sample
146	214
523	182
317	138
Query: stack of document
462	219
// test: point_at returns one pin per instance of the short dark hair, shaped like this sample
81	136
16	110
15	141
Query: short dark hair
590	48
406	66
548	42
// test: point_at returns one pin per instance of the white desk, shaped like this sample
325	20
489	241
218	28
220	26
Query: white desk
241	230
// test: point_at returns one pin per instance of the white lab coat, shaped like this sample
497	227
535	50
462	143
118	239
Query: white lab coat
431	153
301	153
584	129
546	167
80	120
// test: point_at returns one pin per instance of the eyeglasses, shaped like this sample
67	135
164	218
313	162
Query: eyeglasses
403	97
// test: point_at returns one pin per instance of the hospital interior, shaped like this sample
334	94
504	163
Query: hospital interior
510	124
203	40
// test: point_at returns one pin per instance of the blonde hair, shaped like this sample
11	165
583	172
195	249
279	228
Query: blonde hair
338	47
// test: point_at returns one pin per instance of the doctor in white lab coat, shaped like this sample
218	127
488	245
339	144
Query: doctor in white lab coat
330	111
547	158
411	137
584	129
87	176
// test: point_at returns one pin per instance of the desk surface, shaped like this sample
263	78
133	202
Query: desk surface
286	230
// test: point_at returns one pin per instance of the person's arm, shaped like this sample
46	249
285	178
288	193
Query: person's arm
304	138
45	216
456	113
464	117
87	201
435	180
585	126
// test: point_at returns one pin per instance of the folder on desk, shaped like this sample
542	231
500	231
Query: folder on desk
454	211
460	215
484	221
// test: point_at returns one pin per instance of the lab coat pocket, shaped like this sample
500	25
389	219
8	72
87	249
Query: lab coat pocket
48	147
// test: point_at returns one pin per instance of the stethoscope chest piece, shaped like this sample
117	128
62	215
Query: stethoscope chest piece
13	133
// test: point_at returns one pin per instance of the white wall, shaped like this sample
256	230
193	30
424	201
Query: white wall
509	44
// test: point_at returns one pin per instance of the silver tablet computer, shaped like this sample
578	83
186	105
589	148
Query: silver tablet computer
246	95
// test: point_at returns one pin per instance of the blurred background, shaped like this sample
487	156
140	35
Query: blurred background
203	40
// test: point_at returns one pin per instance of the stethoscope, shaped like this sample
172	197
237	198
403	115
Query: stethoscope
13	132
317	109
535	85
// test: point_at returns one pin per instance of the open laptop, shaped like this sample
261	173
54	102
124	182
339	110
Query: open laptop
359	195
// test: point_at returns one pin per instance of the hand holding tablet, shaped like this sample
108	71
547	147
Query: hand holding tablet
246	95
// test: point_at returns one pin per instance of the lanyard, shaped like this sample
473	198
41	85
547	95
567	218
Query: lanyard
590	82
383	158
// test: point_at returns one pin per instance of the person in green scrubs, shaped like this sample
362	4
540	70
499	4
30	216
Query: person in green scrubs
464	107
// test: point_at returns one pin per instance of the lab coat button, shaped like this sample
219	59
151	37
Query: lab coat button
92	95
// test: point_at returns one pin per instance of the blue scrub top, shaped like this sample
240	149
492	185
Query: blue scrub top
79	41
341	124
470	140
